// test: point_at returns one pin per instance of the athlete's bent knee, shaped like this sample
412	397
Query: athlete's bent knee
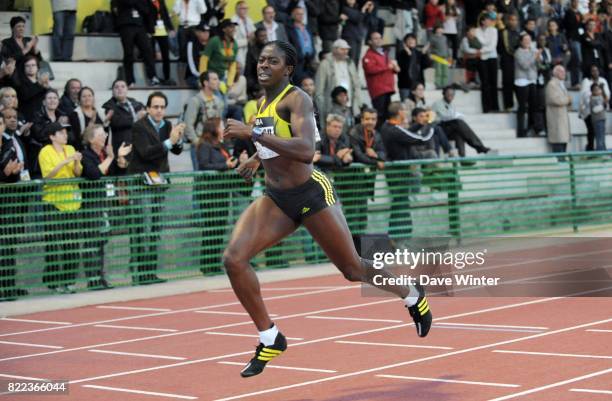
354	272
233	262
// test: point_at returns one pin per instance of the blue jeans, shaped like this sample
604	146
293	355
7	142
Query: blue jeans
575	62
600	134
64	25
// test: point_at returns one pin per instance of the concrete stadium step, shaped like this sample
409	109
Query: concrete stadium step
95	47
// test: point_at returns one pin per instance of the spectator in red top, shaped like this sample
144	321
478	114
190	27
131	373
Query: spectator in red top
433	15
379	73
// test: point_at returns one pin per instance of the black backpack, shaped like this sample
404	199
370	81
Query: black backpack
99	22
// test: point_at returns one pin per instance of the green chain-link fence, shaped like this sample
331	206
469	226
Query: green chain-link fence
131	232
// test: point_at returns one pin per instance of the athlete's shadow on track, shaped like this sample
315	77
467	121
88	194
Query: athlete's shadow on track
408	391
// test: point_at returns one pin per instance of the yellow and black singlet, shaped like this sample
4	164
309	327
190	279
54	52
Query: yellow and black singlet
272	124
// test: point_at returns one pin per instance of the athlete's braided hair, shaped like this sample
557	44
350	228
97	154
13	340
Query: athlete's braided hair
288	50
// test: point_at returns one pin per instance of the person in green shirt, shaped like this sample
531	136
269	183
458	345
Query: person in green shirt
220	53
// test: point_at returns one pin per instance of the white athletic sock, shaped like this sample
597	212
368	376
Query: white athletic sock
267	337
412	297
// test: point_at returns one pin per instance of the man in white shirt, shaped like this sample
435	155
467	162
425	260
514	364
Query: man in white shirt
453	124
189	13
275	30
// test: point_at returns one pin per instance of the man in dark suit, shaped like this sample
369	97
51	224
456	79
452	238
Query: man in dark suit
152	138
13	168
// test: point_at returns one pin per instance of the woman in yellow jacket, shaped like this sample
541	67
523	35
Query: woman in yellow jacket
62	203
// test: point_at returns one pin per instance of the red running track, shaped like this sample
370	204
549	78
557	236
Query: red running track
343	346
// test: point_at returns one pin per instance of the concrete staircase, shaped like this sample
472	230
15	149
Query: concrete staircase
97	59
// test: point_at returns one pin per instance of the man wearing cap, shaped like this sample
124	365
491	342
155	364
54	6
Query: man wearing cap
197	41
221	52
337	70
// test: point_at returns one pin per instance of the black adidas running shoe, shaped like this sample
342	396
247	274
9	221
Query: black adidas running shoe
263	355
421	314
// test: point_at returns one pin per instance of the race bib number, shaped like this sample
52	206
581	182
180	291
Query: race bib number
267	126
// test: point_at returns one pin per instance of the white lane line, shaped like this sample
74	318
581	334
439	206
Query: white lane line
285	296
600	331
23	378
218	312
357	333
316	287
282	367
445	326
588	390
110	326
200	330
356	319
392	345
552	354
31	345
553	385
102	351
11	319
431	379
399	364
497	325
133	308
218	333
127	390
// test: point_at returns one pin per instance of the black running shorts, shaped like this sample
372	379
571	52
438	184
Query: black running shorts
307	199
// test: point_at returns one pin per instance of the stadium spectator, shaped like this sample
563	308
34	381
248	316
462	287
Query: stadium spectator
433	16
62	203
274	30
252	57
31	87
200	108
308	85
526	73
380	73
353	31
13	162
470	51
441	56
454	125
592	48
189	14
301	37
245	31
23	131
18	46
412	63
212	192
7	72
153	137
235	98
70	98
215	12
329	21
545	66
451	25
487	36
220	53
334	149
599	105
337	70
64	26
84	115
198	38
340	106
124	111
557	44
49	113
161	30
416	98
507	47
558	102
585	103
572	24
8	98
98	161
131	21
531	29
